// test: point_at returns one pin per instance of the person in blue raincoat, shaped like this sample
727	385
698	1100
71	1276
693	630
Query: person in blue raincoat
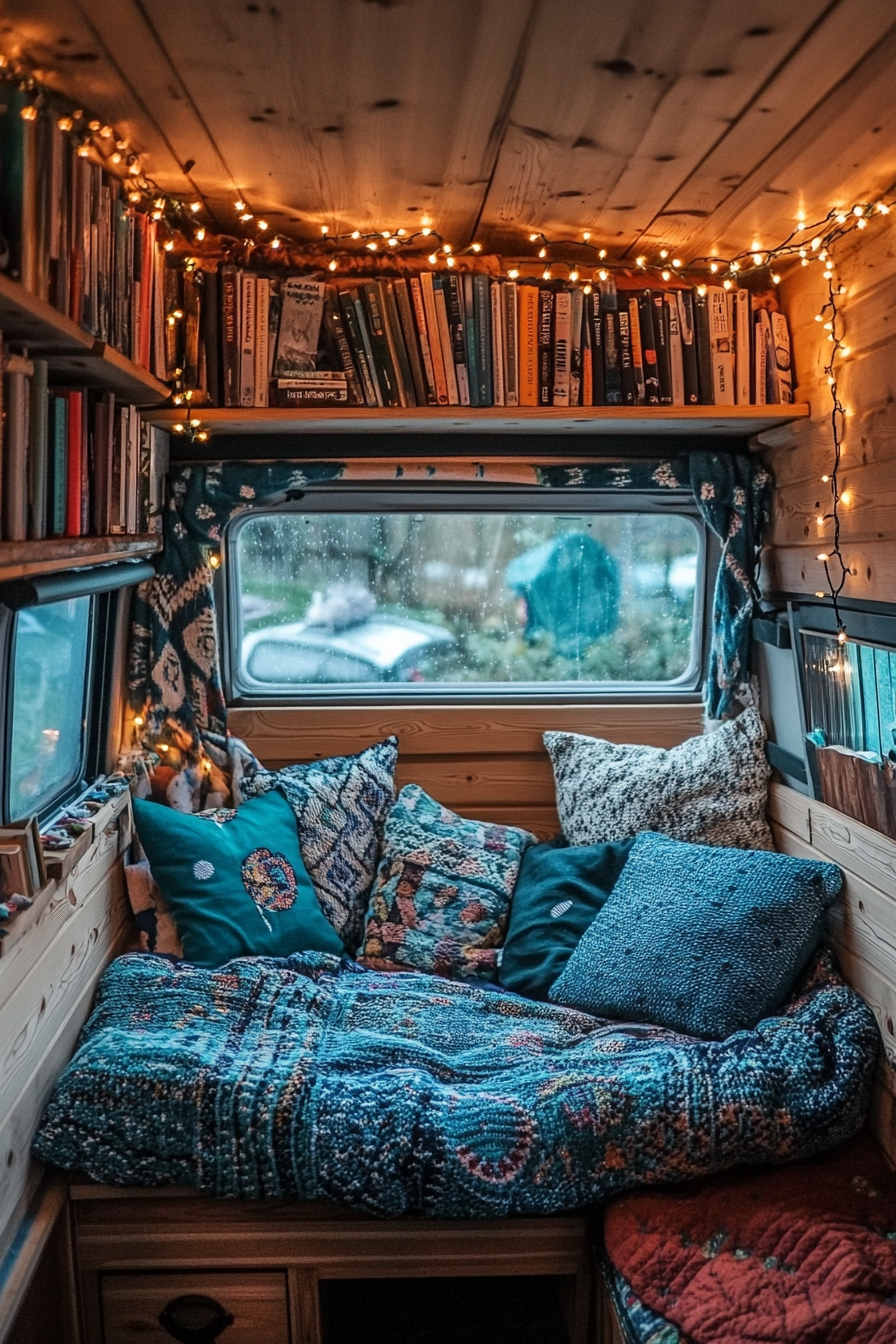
570	590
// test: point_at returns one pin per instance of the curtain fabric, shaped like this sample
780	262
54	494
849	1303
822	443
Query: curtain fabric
175	674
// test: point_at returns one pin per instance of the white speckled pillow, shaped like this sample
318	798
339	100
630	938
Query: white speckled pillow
710	790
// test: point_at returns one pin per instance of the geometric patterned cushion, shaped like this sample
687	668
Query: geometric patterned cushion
442	892
710	790
340	805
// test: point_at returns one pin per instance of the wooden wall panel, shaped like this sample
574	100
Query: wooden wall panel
801	454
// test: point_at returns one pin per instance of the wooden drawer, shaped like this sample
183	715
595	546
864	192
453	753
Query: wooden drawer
133	1303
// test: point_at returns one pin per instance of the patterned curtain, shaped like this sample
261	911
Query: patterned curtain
175	674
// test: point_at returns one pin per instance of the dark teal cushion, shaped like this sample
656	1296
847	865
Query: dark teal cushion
702	940
238	887
557	894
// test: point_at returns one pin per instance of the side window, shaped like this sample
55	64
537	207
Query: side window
49	677
411	600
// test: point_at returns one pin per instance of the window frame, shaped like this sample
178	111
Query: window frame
354	498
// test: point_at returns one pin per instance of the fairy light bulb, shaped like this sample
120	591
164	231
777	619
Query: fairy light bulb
546	273
195	206
324	229
245	217
432	258
676	261
602	254
758	258
400	233
83	151
862	223
586	235
513	273
200	235
356	233
66	124
533	237
371	247
846	498
573	275
776	279
239	207
169	246
663	254
640	261
426	231
603	275
446	248
275	242
476	247
726	284
701	290
134	197
449	261
263	224
815	244
542	252
667	275
586	289
822	555
333	265
714	266
393	242
882	209
858	210
386	233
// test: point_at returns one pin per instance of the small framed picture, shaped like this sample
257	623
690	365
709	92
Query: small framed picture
15	875
29	832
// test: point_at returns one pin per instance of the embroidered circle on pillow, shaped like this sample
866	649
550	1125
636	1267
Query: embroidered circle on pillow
203	870
269	879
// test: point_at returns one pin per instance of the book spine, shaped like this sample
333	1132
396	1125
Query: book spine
211	309
598	365
705	383
361	320
685	300
38	452
676	361
587	357
454	304
248	292
499	381
484	372
435	340
385	369
470	336
648	349
545	346
411	344
322	395
528	307
262	334
742	354
762	341
781	347
510	296
426	354
661	335
118	471
576	310
339	343
626	368
720	346
230	335
15	457
561	342
358	352
87	448
637	349
610	332
57	484
445	342
397	351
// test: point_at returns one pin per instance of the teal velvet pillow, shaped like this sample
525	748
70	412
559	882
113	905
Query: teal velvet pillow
557	894
237	887
703	940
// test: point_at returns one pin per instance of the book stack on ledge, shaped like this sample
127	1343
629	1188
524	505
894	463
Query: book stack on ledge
76	462
462	339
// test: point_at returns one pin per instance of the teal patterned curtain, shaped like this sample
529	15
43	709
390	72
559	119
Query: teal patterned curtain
175	676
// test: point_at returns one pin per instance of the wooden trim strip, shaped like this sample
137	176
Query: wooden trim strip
23	1257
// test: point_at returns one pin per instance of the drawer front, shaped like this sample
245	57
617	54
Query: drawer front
134	1303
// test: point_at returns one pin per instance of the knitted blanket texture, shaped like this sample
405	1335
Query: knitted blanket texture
310	1077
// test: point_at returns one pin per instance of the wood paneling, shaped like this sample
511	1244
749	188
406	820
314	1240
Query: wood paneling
685	123
801	454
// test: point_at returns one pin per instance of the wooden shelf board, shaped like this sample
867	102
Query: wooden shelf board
73	354
739	421
21	558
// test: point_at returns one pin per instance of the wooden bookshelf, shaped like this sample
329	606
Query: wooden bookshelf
19	559
74	356
732	421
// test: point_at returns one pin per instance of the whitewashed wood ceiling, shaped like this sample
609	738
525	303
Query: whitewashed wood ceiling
697	123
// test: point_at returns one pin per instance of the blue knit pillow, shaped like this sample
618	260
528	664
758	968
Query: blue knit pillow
702	940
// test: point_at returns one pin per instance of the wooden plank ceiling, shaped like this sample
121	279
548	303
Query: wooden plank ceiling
704	124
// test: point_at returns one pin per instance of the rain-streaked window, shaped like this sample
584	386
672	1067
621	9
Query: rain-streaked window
456	598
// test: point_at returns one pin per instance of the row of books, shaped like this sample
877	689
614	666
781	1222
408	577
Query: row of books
69	234
448	339
75	463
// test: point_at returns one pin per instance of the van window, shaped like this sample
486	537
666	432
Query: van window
463	600
49	679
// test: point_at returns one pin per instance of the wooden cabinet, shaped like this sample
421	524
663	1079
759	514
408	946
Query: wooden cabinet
243	1308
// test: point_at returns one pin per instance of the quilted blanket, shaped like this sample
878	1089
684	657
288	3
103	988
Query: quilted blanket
405	1093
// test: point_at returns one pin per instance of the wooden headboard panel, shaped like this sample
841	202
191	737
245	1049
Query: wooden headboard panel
862	922
484	762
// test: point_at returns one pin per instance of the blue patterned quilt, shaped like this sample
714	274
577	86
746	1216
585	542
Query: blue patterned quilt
404	1093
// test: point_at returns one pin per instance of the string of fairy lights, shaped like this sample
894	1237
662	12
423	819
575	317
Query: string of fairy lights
808	243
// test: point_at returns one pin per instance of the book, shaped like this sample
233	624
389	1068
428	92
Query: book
661	337
484	369
301	313
435	340
703	342
685	301
743	355
545	346
609	309
648	349
445	341
292	392
587	357
528	345
499	378
262	333
56	465
720	345
340	349
676	359
247	296
626	365
379	344
411	343
561	352
781	346
470	336
576	314
637	349
394	341
210	318
454	306
230	337
358	349
364	332
510	311
16	406
426	356
37	452
74	454
596	338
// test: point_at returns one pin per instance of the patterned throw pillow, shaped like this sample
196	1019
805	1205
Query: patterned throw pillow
711	790
442	892
235	882
702	940
341	805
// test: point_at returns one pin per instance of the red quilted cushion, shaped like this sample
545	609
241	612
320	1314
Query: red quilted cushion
802	1254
